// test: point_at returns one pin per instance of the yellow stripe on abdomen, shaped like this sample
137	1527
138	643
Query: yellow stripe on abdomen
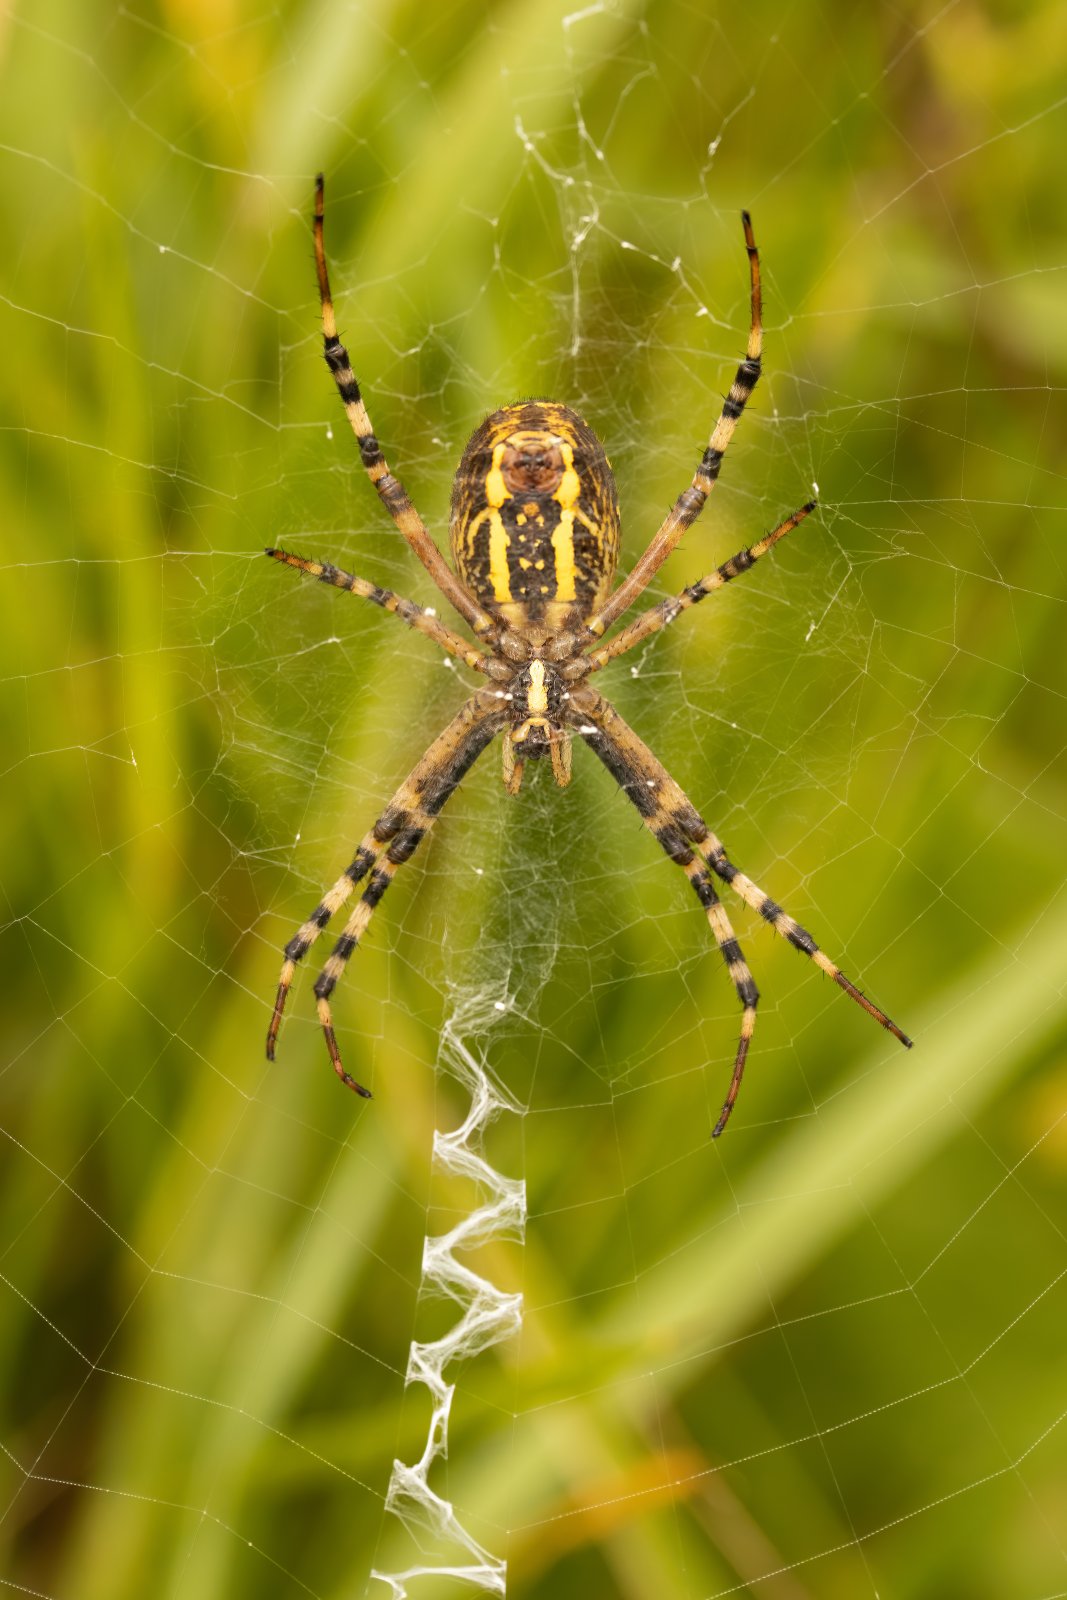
570	488
496	492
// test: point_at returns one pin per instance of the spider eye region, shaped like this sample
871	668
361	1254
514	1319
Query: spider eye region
535	516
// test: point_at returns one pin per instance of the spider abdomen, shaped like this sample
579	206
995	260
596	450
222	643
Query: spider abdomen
535	517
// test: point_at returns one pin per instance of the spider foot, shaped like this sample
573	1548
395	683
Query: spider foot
335	1053
279	1006
748	1023
869	1006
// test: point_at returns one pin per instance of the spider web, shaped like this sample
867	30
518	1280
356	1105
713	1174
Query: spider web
821	1357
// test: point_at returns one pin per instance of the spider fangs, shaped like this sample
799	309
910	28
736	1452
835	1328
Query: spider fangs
535	540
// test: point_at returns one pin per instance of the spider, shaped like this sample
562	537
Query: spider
535	539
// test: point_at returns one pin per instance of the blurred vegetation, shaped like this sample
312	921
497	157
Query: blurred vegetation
820	1358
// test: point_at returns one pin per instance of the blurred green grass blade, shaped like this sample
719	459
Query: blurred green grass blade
472	103
835	1167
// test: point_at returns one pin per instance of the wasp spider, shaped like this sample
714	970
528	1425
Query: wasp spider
535	540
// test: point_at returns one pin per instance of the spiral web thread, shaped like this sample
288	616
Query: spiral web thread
488	1314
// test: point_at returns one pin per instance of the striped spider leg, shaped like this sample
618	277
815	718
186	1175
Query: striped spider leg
417	617
392	840
390	490
534	534
690	503
674	821
662	614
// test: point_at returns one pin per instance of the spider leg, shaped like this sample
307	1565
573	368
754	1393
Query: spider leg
690	502
370	847
736	965
674	821
714	854
659	616
390	490
415	616
392	841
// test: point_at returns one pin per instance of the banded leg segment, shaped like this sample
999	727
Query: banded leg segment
401	849
674	821
391	492
690	503
715	855
736	965
661	615
415	616
299	945
404	823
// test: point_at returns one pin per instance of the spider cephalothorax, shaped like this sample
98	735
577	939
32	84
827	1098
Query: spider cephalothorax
537	700
535	540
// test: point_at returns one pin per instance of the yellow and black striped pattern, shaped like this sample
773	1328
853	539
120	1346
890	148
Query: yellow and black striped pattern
535	517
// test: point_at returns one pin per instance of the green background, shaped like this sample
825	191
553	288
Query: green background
822	1357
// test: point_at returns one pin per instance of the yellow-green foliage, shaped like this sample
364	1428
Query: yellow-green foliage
823	1357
